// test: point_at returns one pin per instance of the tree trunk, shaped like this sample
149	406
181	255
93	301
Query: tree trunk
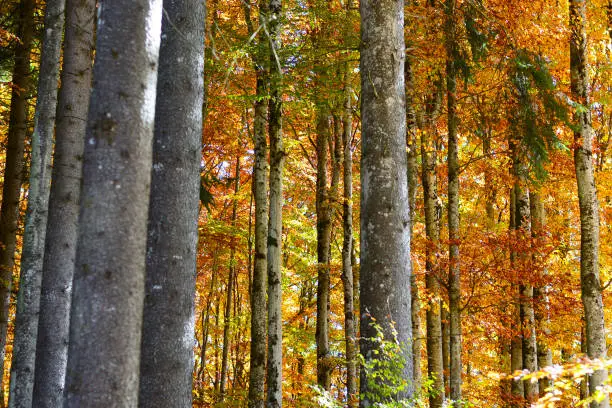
169	312
230	287
587	197
13	173
324	221
350	335
109	281
260	192
516	342
433	209
540	293
385	216
413	176
527	317
62	226
454	272
275	225
28	299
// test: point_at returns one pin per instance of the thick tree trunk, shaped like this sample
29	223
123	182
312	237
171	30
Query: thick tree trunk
230	288
454	272
259	289
385	216
169	312
62	226
587	197
13	173
324	224
28	299
109	280
540	293
433	209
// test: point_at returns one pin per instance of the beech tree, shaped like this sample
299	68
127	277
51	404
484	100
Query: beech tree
587	196
109	278
385	231
28	300
169	313
13	173
62	225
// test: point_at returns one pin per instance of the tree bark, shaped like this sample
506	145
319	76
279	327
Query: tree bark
454	273
62	226
230	288
169	312
13	173
433	209
587	197
324	224
350	334
109	280
275	225
540	293
413	177
385	216
260	192
516	342
28	298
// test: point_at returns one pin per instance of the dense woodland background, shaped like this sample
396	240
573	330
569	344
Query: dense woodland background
493	120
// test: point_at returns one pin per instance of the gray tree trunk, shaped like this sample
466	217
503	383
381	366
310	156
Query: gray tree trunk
527	316
28	298
454	273
587	196
385	215
62	226
540	293
169	312
324	224
350	334
109	278
413	177
275	224
259	289
230	289
433	209
13	173
516	342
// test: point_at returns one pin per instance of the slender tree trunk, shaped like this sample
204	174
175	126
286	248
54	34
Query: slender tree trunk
516	342
206	317
350	334
413	177
62	227
385	214
324	224
230	287
275	225
540	293
28	299
454	273
433	209
529	348
587	197
109	281
13	173
257	372
169	313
